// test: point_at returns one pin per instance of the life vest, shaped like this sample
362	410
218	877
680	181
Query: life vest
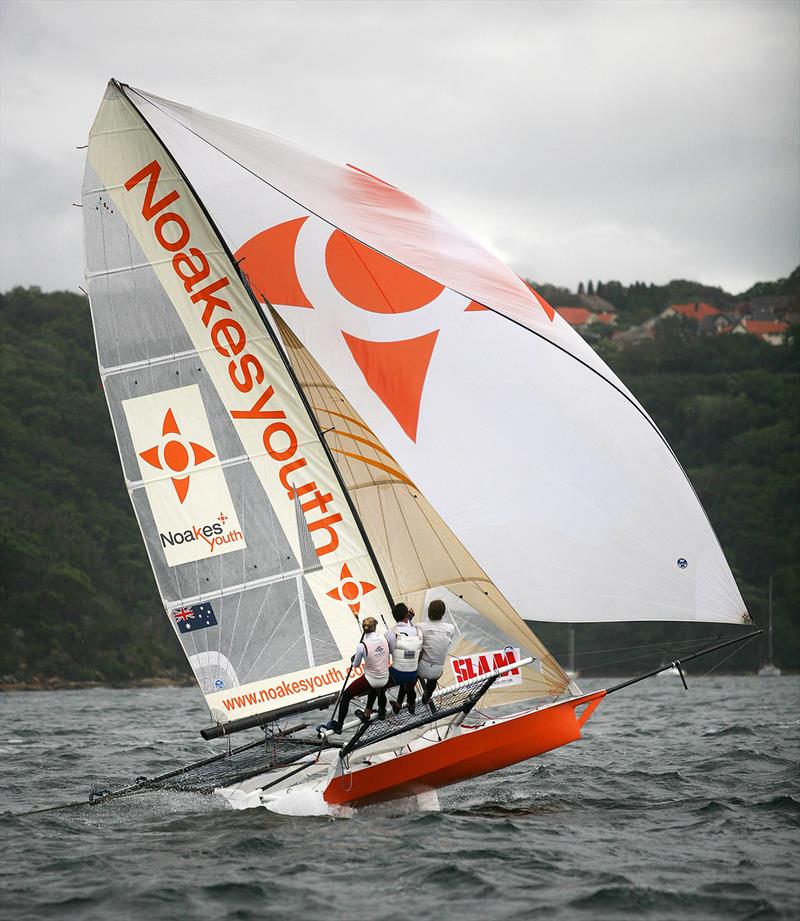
436	638
406	651
376	661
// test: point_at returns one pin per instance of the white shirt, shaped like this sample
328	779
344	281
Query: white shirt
437	635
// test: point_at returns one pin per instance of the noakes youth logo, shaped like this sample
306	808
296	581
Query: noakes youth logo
176	455
193	513
213	534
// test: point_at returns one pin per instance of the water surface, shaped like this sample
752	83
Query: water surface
673	805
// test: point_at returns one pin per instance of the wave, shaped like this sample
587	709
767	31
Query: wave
735	730
641	900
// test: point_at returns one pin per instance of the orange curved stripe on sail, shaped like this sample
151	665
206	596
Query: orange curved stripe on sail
373	463
365	441
332	412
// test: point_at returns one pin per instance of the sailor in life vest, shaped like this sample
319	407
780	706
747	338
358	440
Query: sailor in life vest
373	651
405	643
436	639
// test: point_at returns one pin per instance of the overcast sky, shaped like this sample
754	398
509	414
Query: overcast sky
632	140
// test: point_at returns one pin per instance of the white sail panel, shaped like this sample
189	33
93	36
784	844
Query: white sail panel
213	433
537	458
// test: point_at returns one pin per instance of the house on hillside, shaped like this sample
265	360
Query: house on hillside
771	331
694	311
581	317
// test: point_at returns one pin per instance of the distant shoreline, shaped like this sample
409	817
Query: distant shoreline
61	684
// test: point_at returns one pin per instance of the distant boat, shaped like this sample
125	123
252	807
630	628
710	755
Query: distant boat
769	669
265	322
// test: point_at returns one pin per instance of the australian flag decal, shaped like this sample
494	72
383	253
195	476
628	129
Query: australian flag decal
197	617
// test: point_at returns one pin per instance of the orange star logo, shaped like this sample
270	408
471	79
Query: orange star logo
176	455
350	590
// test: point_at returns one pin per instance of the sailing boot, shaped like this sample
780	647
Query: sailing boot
364	715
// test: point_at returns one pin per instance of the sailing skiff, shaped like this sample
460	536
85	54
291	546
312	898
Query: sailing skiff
328	399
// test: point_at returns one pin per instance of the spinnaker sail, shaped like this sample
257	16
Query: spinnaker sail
532	452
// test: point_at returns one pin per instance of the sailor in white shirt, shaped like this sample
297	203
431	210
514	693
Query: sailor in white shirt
436	639
405	643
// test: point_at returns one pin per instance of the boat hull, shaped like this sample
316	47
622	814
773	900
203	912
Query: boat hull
473	751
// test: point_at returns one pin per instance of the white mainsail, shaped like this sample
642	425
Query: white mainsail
535	457
217	445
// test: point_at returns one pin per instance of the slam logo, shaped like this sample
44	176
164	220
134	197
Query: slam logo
182	476
475	666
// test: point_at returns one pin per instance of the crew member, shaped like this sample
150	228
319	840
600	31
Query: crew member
373	651
405	643
436	639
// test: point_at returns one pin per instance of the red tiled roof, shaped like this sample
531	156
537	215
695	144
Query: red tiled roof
605	317
575	316
696	311
762	327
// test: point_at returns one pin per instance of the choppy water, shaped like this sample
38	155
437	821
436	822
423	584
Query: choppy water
673	805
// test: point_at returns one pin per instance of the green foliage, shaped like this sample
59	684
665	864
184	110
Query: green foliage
783	286
78	596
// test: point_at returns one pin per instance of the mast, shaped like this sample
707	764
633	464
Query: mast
769	632
571	666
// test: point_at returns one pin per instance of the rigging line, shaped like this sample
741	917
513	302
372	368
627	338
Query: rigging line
621	392
268	326
730	655
661	645
664	647
330	223
274	630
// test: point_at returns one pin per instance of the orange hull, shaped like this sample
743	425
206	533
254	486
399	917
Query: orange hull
472	752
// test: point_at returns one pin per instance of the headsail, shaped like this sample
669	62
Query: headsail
531	450
248	527
415	548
